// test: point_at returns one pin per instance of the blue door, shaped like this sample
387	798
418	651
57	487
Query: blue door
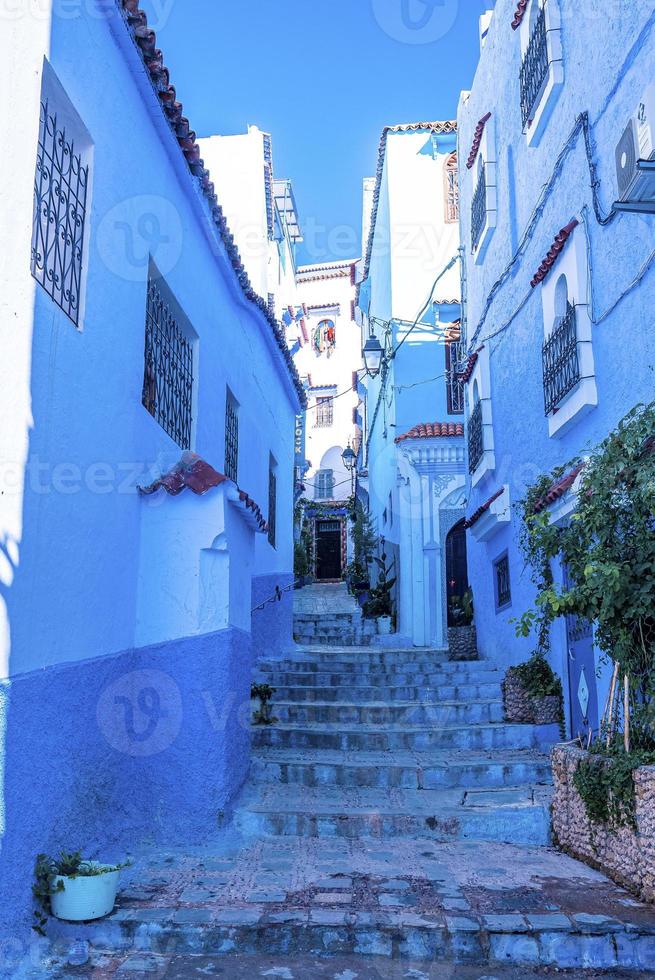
582	675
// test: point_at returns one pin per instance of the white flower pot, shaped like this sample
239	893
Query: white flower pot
384	625
85	896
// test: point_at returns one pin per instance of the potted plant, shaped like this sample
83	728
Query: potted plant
301	567
260	698
73	888
462	638
379	605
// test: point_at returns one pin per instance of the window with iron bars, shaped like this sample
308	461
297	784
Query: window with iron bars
60	189
168	367
268	185
324	412
561	367
475	438
479	209
324	485
534	70
502	585
451	189
454	384
231	437
272	505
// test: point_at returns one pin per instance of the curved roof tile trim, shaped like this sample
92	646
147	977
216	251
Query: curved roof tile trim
146	42
520	14
554	252
477	514
465	376
477	140
432	430
558	489
440	128
195	474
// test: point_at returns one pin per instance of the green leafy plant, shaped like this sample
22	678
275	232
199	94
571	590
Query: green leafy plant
461	609
380	602
301	561
364	542
538	678
264	694
605	782
68	865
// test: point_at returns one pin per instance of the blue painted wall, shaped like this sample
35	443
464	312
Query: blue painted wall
608	56
272	626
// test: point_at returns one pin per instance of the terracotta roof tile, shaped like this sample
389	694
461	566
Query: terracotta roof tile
554	252
195	474
433	430
465	376
146	42
519	14
477	140
558	489
477	514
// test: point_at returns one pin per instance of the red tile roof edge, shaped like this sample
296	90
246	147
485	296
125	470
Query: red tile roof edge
432	430
443	127
145	41
465	376
195	474
558	489
482	509
477	140
553	253
519	14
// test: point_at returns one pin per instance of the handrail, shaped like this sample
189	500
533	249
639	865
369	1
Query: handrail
276	597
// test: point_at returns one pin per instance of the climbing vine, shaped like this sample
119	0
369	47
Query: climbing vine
608	548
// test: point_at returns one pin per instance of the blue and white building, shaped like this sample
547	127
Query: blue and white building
136	356
413	435
558	228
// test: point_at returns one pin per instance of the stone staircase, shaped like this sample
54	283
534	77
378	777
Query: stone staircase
328	614
391	811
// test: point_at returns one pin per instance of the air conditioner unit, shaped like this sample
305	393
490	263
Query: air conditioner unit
635	154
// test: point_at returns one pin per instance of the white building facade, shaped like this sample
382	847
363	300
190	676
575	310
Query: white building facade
146	449
413	445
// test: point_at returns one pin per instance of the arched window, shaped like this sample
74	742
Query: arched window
325	337
451	189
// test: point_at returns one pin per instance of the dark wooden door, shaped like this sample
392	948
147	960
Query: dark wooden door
328	550
457	579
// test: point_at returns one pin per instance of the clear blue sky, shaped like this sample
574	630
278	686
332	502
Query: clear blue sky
324	77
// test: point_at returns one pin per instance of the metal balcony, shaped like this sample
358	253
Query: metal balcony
561	367
534	70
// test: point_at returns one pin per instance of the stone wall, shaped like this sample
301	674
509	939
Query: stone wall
462	643
625	854
524	708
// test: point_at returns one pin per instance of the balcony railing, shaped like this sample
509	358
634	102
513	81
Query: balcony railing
479	210
475	438
534	69
560	361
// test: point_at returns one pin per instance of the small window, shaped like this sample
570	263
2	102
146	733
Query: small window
451	189
60	199
168	364
272	503
324	485
455	352
502	586
324	412
231	436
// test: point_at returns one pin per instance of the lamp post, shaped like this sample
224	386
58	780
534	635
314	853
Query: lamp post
372	355
349	458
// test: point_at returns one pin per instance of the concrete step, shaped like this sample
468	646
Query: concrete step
372	656
286	675
391	738
518	815
406	770
353	639
354	694
391	713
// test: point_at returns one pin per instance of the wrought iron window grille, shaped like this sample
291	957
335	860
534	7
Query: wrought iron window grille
272	506
168	369
324	412
479	209
475	438
455	351
231	438
534	70
502	584
60	192
560	362
451	189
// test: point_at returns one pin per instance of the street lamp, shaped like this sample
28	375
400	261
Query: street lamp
349	458
372	355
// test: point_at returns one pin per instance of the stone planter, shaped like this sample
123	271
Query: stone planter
523	708
624	854
462	643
